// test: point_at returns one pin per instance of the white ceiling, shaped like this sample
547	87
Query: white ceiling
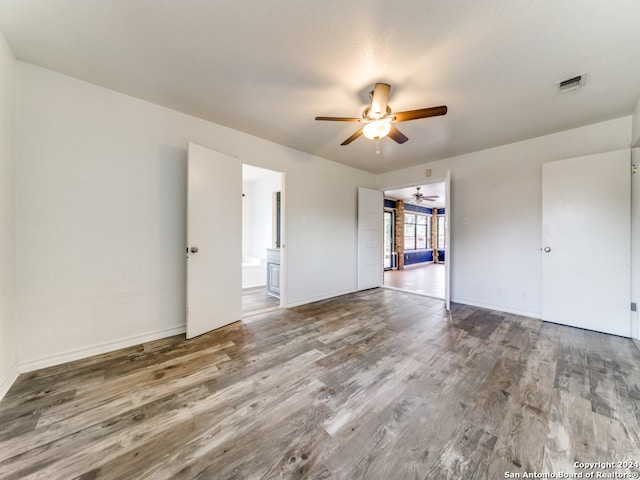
254	174
269	67
428	189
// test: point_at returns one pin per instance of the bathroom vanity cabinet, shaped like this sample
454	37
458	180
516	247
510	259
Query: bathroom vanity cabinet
273	272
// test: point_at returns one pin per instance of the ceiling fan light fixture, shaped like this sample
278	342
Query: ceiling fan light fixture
377	118
377	129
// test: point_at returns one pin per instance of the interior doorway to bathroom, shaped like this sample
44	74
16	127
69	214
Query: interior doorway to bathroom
262	235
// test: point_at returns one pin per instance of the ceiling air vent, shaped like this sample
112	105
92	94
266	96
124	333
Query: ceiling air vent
571	84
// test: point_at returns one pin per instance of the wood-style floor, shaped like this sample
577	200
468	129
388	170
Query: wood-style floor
423	278
379	384
257	300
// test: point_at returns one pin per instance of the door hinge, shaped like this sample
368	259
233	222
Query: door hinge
634	307
634	168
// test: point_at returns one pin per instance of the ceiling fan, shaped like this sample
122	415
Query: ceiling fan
418	197
378	117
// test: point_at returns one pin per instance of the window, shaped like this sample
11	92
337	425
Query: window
441	229
409	232
388	239
417	231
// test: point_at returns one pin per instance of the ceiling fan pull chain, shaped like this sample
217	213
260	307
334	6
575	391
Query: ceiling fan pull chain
378	146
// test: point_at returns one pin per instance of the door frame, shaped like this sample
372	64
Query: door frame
635	244
391	212
446	179
283	231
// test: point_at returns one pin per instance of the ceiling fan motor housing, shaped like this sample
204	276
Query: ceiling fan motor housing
378	117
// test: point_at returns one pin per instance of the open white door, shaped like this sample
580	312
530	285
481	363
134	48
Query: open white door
447	241
586	215
370	238
214	239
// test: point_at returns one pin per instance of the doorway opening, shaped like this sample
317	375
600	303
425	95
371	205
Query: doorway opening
415	239
262	233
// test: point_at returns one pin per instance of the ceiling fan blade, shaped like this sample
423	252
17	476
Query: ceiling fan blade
397	135
339	119
379	100
420	113
352	137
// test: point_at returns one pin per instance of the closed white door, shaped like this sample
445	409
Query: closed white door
370	238
586	214
214	239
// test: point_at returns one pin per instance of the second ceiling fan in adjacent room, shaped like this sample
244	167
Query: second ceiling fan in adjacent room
419	197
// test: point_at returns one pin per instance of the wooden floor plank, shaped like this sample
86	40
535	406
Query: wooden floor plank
379	384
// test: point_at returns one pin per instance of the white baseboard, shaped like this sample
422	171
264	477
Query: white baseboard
413	293
12	376
97	349
253	285
304	301
52	360
498	308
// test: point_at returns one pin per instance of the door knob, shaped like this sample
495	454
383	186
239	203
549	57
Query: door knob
193	249
546	249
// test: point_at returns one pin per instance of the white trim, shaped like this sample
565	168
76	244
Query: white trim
447	241
420	294
249	286
498	308
635	244
98	349
325	296
9	380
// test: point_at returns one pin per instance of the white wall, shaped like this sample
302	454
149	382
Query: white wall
100	203
248	226
100	216
8	338
635	135
496	212
257	220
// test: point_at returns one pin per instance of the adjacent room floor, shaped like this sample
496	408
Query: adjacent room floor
257	300
423	278
375	385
